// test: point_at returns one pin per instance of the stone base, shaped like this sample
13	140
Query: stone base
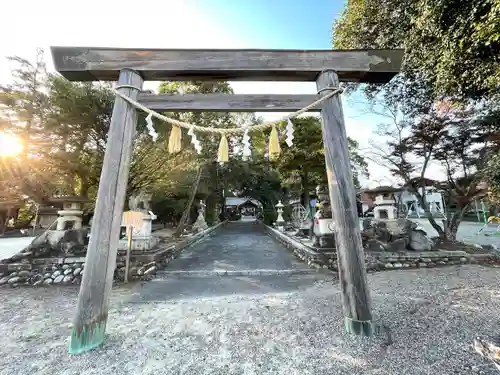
141	244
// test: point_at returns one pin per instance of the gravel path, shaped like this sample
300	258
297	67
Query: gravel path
237	246
434	315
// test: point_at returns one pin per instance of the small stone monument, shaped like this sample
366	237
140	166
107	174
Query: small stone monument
280	222
141	235
323	225
200	223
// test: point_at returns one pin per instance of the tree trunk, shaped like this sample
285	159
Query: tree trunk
430	218
187	210
451	226
305	189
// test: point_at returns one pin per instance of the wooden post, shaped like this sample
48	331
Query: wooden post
352	272
89	324
130	230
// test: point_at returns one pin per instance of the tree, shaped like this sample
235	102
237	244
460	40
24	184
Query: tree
455	138
451	46
305	160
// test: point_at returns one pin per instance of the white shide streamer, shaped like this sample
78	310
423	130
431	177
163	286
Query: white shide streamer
195	142
247	152
151	128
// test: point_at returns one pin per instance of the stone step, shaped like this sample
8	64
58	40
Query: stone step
221	272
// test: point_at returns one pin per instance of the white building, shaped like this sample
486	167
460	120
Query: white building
409	204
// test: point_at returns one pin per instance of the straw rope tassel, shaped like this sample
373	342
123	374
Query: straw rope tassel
175	140
223	155
274	144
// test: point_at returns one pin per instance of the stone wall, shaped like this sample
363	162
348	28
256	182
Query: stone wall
379	260
69	270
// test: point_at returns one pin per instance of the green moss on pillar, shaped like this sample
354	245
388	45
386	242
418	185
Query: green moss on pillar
89	338
364	328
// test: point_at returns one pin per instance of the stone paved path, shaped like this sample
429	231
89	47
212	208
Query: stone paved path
239	260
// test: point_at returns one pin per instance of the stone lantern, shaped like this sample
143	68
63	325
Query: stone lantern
70	217
280	222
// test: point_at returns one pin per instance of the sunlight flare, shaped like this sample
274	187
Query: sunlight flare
10	145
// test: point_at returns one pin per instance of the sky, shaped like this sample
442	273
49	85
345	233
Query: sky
279	24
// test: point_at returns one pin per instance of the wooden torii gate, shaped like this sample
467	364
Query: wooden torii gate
130	67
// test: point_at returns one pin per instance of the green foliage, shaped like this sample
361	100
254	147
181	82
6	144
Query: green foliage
451	45
304	162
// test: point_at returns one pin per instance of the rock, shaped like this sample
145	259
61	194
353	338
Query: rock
77	271
441	262
54	268
67	279
150	271
4	280
47	281
120	264
77	265
65	266
400	244
56	274
47	275
24	274
445	259
426	260
36	278
67	271
388	265
406	265
398	265
374	245
13	274
58	279
463	260
478	246
431	264
419	241
37	283
422	265
14	280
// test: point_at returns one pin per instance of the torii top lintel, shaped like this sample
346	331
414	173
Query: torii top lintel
93	64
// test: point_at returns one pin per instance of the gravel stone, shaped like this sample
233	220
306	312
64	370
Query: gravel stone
58	279
398	265
67	279
48	281
24	274
67	271
77	271
389	265
65	266
14	280
47	275
56	274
